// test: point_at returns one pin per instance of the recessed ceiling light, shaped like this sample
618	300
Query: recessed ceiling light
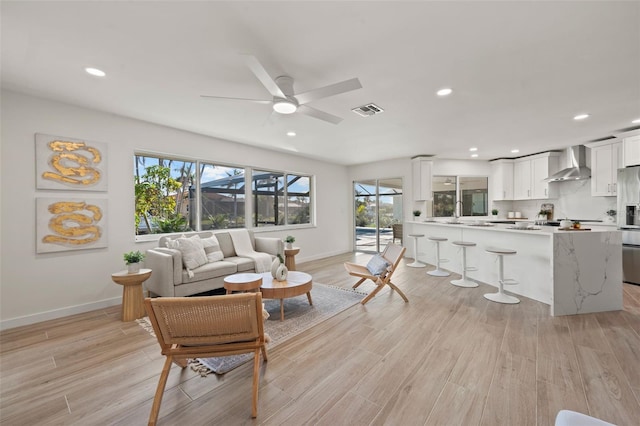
636	121
292	134
474	155
95	72
581	116
473	149
515	151
444	92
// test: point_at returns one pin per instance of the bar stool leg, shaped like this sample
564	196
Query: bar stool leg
438	272
501	296
416	263
464	282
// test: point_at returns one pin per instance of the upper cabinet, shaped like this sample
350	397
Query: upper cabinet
522	180
529	174
632	151
606	158
502	180
422	170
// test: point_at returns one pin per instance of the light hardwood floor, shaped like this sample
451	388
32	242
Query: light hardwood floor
447	357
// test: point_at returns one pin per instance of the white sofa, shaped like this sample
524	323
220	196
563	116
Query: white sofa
170	278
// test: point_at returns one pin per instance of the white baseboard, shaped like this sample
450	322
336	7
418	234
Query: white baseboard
58	313
320	256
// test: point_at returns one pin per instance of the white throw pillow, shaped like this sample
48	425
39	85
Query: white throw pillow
377	265
212	248
192	251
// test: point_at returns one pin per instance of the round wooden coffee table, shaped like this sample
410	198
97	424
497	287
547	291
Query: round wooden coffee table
243	282
297	284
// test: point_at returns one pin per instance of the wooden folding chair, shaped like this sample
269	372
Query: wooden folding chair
392	254
203	327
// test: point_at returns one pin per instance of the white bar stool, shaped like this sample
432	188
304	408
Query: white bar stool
438	272
501	296
464	281
416	263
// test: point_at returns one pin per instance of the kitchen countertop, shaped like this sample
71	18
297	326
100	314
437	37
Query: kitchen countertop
541	230
574	272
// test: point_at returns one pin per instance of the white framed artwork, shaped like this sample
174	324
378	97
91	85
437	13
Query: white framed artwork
65	223
70	164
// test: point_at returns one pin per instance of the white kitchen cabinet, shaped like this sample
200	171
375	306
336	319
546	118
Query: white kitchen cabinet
422	170
529	174
631	151
522	180
606	158
502	180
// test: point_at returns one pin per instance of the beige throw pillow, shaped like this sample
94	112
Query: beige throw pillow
212	249
192	251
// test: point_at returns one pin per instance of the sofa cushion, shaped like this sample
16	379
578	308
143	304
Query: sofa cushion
244	264
210	270
192	251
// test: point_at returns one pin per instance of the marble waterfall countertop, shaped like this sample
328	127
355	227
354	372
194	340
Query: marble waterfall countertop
573	272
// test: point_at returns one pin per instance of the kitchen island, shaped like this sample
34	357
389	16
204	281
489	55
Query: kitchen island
573	272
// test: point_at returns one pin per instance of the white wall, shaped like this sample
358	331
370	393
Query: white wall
36	287
461	168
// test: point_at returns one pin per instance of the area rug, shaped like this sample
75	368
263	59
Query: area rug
328	301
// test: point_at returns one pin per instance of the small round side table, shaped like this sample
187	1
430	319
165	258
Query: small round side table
132	297
242	282
290	258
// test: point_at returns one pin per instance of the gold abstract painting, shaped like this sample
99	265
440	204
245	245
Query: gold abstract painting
70	224
70	164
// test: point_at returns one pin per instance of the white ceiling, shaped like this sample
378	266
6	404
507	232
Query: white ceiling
520	70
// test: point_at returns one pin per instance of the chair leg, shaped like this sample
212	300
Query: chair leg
375	291
264	353
256	380
157	400
393	286
359	282
181	362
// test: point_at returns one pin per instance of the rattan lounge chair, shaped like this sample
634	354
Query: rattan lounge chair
202	327
392	254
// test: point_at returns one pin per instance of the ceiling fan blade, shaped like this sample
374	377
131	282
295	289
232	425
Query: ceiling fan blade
321	115
262	75
332	89
257	101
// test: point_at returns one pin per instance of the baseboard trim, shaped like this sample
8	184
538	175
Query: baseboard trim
303	259
58	313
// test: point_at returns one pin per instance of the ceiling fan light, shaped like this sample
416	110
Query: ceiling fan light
284	106
95	72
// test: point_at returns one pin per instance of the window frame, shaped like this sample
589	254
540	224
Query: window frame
249	207
459	192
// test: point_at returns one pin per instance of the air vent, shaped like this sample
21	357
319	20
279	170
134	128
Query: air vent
368	110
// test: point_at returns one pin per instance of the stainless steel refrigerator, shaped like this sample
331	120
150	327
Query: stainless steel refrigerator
629	222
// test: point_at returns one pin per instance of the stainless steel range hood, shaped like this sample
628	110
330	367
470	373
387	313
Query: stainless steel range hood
576	166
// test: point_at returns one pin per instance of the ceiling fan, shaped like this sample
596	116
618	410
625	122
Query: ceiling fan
285	101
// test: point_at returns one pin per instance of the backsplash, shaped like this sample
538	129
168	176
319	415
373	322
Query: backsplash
572	199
